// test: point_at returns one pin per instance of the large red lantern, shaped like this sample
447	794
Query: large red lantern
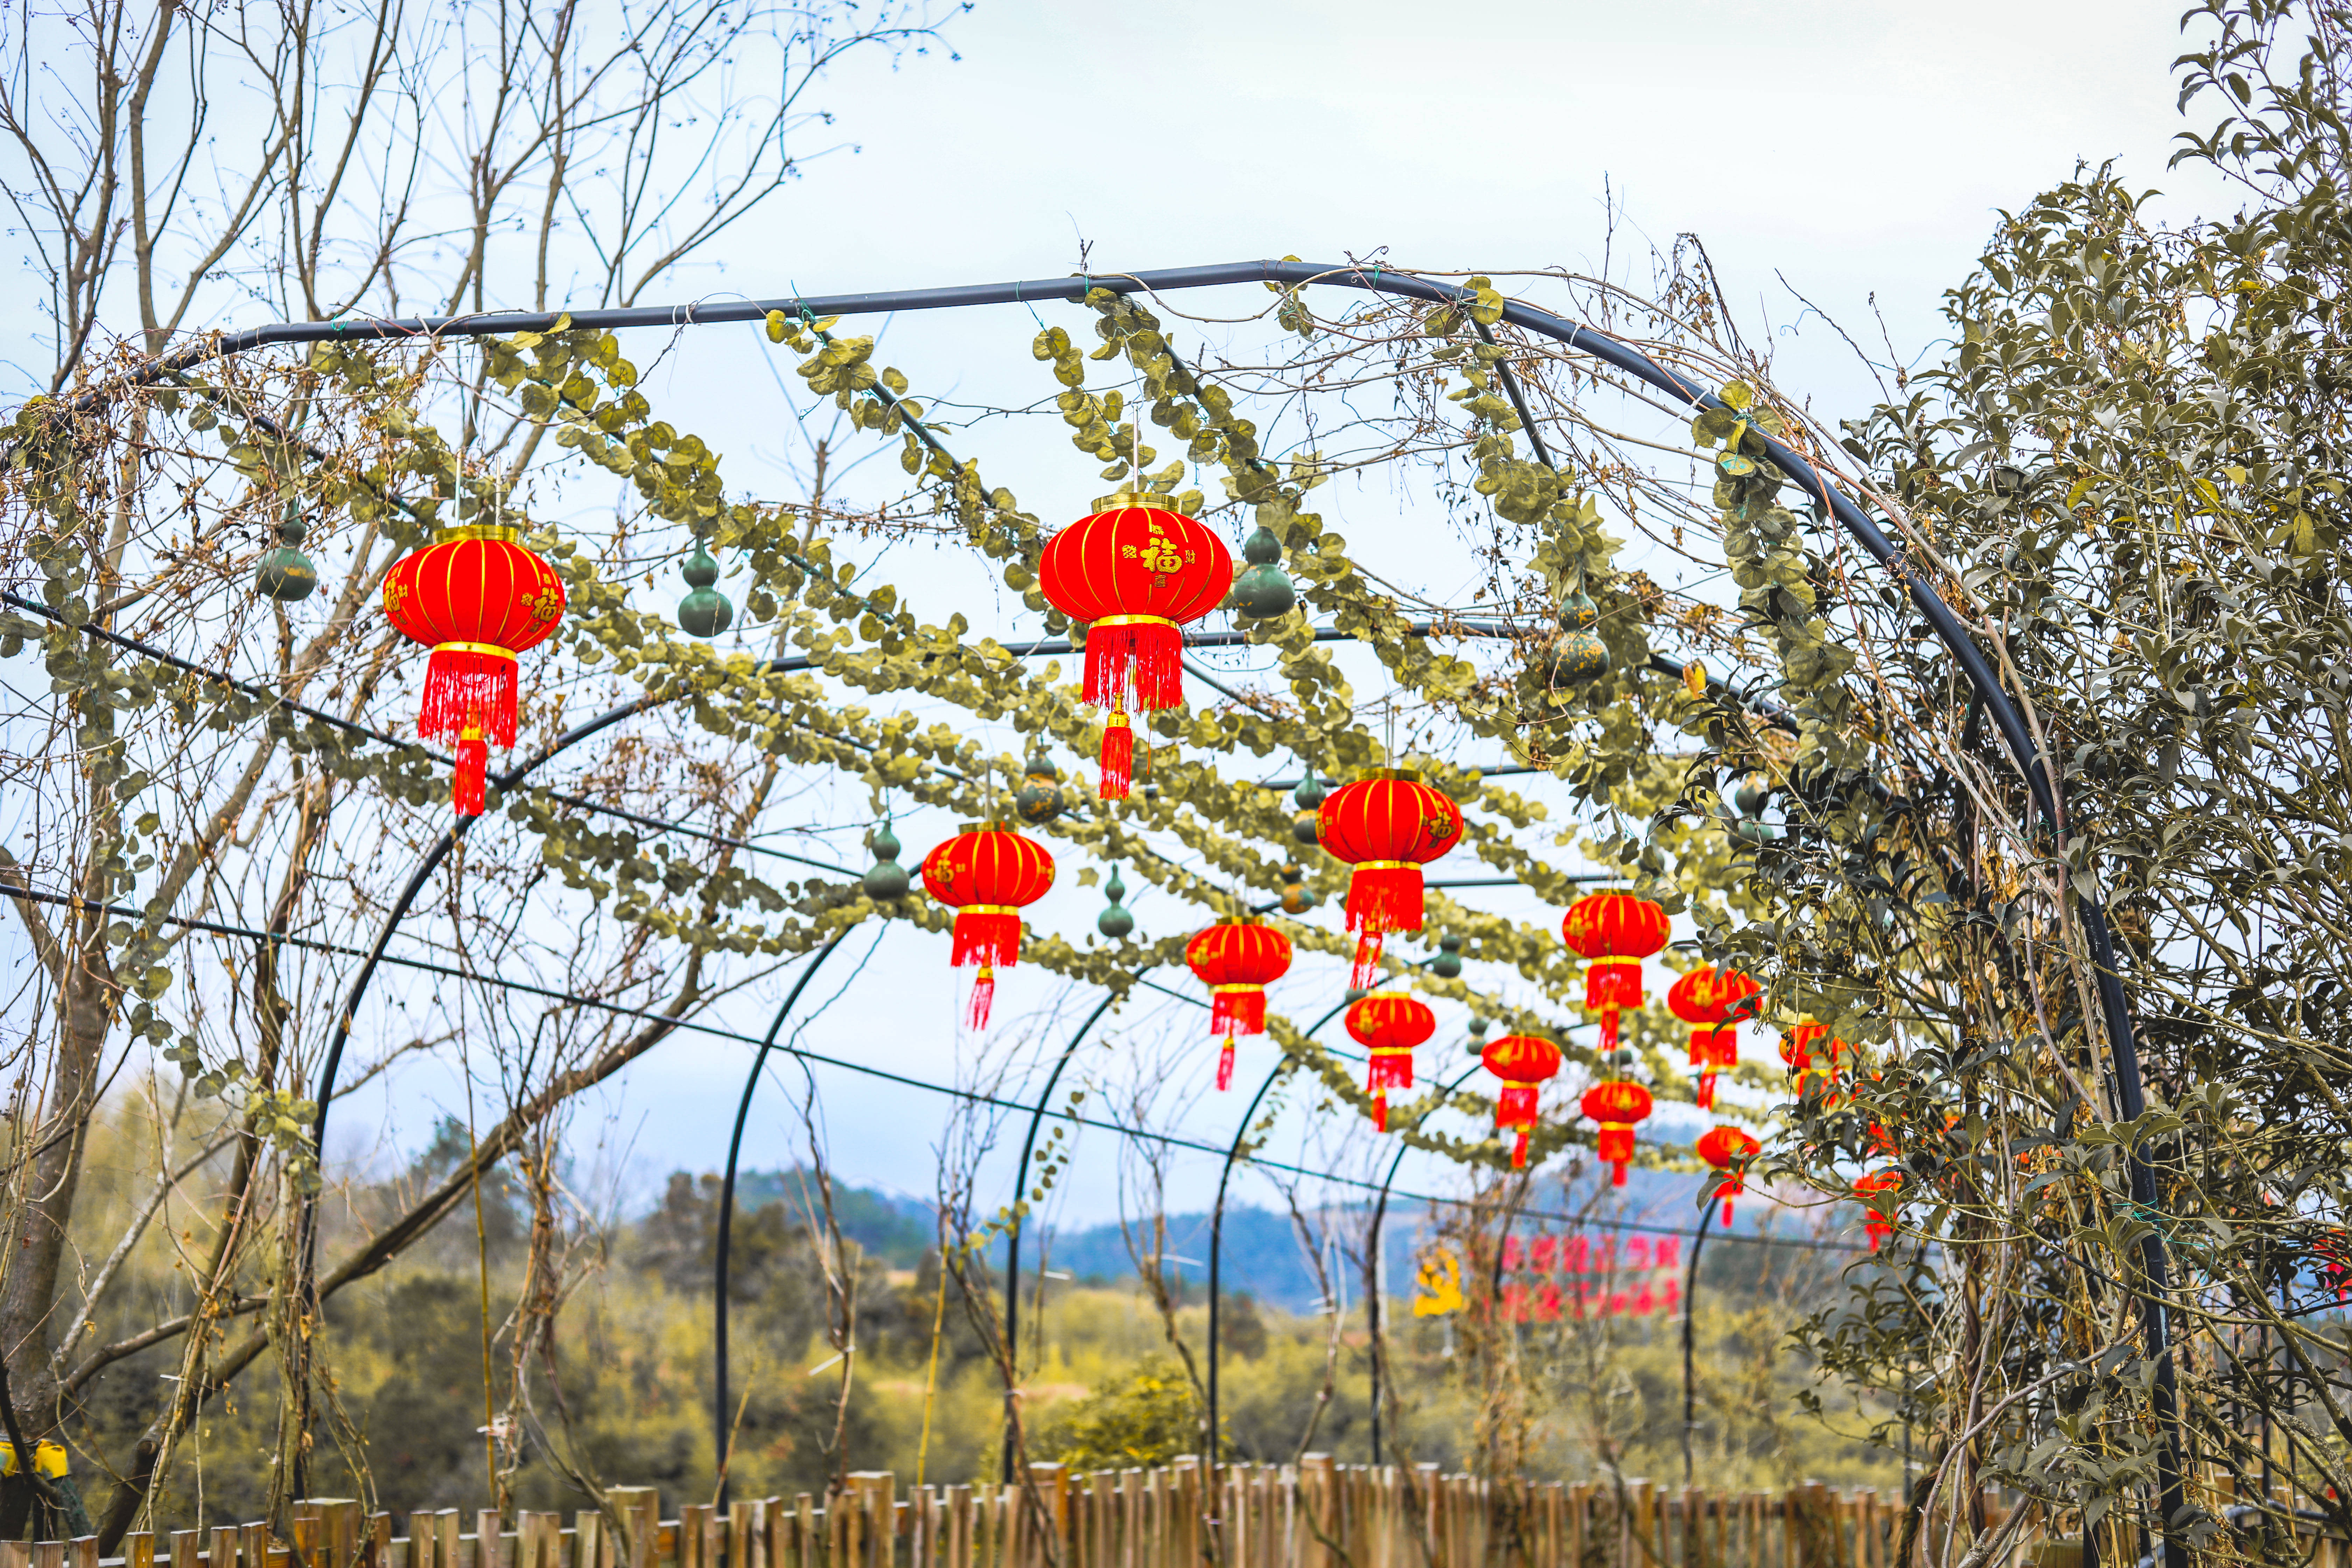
1388	826
1237	961
1134	574
1388	1026
1878	1213
477	598
1522	1062
1616	1105
1726	1148
1713	1001
1614	932
987	874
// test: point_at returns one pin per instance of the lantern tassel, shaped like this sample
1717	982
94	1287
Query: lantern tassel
1366	969
985	939
1705	1099
1384	898
463	688
1118	758
1139	665
1609	1029
1234	1013
473	763
1516	1106
1380	1120
983	994
1519	1152
1727	1213
1225	1065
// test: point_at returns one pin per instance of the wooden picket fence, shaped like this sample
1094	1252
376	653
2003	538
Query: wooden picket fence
1316	1514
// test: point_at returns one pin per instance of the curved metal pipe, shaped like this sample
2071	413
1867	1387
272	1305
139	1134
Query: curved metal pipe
719	1423
1690	1310
1373	1284
1012	1235
1217	1237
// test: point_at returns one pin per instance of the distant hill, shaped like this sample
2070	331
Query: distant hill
1263	1255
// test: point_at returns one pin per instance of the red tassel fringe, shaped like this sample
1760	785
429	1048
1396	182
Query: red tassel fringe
1609	1030
1139	667
473	761
1727	1213
984	993
1225	1065
1390	1070
1384	898
1605	984
463	688
1516	1106
1519	1153
985	940
1118	759
1381	1123
1367	967
1237	1013
1705	1097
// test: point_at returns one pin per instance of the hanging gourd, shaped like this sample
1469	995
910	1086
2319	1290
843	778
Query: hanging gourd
988	874
1237	961
1614	932
1523	1062
1447	965
1387	826
1309	798
1874	1193
884	879
477	598
1388	1025
1295	898
1713	1001
286	575
1041	798
1727	1149
705	612
1135	574
1263	591
1616	1104
1116	919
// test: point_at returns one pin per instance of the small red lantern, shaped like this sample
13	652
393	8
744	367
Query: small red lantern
1713	1001
1878	1214
1389	1025
1388	826
1237	961
477	598
1134	574
987	874
1521	1061
1797	1047
1726	1148
1614	932
1616	1104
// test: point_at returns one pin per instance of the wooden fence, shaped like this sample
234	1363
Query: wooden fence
1317	1515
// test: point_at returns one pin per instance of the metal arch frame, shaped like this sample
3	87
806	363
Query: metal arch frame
718	1301
2115	1003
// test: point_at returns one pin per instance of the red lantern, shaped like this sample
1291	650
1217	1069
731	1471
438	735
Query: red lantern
1614	932
1521	1061
987	874
1713	1001
1134	574
1797	1045
1878	1214
1388	826
1237	962
1726	1148
1389	1025
1616	1104
476	599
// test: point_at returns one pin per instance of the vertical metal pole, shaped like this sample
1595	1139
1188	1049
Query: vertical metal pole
1690	1310
718	1422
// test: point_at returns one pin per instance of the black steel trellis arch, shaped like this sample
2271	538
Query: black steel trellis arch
2113	1003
